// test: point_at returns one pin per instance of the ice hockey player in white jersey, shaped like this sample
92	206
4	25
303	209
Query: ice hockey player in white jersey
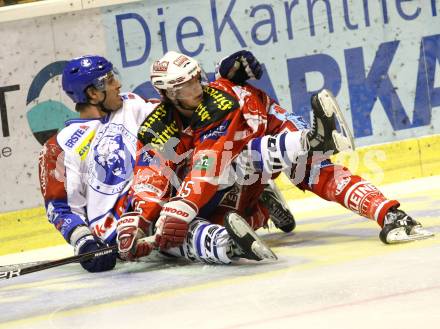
85	169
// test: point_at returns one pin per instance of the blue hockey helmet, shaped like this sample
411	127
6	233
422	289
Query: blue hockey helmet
83	72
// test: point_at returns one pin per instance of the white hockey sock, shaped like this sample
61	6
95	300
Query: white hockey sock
274	154
205	242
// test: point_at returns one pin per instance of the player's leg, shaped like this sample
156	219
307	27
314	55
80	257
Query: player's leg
291	141
216	244
337	183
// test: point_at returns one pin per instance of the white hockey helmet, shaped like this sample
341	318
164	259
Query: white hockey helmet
173	69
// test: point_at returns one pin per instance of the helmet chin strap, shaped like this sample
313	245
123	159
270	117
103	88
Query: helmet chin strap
100	104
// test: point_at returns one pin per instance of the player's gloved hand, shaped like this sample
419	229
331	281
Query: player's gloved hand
173	223
130	228
83	242
239	67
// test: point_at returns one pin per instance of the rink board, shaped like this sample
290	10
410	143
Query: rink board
333	272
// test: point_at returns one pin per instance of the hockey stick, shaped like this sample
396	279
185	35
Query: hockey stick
4	268
40	266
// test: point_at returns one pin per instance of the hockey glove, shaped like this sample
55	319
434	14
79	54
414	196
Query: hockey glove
132	227
83	242
239	67
173	223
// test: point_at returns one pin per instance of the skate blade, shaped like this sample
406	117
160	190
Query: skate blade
342	143
344	140
263	251
240	227
401	236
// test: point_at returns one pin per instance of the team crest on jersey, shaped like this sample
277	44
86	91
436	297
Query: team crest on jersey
112	163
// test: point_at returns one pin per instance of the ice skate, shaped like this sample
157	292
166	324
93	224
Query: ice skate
245	242
399	227
324	135
280	215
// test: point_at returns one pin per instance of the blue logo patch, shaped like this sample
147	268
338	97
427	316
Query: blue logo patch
113	162
216	132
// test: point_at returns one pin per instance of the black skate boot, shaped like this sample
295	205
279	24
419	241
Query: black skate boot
399	227
245	242
324	136
280	215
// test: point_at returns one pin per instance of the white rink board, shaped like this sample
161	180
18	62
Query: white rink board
380	58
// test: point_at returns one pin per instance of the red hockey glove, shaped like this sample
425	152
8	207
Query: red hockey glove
172	225
130	228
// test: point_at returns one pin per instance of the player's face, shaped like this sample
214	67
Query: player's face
190	93
112	88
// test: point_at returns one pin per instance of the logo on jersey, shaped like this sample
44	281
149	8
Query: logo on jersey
84	147
203	162
167	133
216	132
222	100
76	136
216	105
113	161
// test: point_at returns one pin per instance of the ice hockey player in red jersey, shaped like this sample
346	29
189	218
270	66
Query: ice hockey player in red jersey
164	164
224	126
